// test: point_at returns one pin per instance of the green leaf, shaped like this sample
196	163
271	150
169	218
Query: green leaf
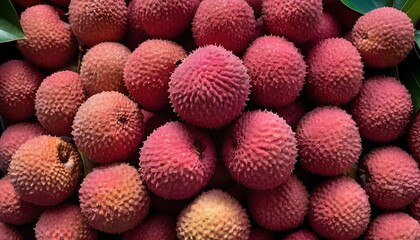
10	29
88	165
412	9
398	4
408	73
364	6
417	41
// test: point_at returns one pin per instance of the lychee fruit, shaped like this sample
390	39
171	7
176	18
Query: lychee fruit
301	235
414	137
10	232
113	198
415	209
148	71
277	71
177	161
328	27
209	88
108	127
395	225
155	227
292	112
135	34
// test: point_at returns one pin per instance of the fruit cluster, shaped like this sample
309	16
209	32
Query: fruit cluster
208	120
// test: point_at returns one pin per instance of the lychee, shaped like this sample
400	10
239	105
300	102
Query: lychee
395	225
414	137
155	227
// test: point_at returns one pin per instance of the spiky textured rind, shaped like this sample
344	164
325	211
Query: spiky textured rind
148	71
13	137
177	161
57	100
292	112
383	36
213	215
392	177
13	209
330	82
113	198
280	208
328	141
10	232
95	21
294	19
155	227
382	109
301	235
395	225
414	137
18	84
108	127
49	42
261	234
64	222
328	27
228	23
339	209
415	209
102	68
45	170
277	71
135	33
165	19
210	87
260	150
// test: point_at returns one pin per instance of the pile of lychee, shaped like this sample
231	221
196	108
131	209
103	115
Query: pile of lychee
208	120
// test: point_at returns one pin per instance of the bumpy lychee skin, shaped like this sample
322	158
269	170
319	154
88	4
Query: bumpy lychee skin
18	84
213	215
392	177
383	36
301	235
382	109
277	71
292	113
135	33
260	150
57	100
328	27
10	232
329	81
49	41
45	170
108	127
177	161
328	141
395	225
64	222
415	209
13	209
13	137
155	227
113	198
165	19
268	207
414	137
95	21
339	209
261	234
294	19
148	71
210	87
228	23
102	68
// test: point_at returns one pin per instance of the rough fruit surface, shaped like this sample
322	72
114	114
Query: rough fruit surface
383	36
113	198
102	68
215	98
45	170
292	113
414	137
148	71
395	225
293	19
339	209
95	21
57	100
49	41
177	161
156	227
392	177
382	110
10	232
18	84
335	72
328	27
227	23
13	137
268	207
213	215
301	235
260	150
135	33
64	222
108	127
277	71
328	141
